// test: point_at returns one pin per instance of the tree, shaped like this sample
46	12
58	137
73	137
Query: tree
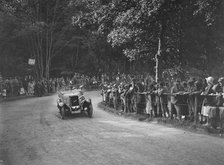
41	28
173	33
11	47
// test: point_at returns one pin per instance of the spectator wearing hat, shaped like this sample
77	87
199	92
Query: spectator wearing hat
208	102
218	88
198	87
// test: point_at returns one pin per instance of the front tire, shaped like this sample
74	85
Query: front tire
90	111
62	112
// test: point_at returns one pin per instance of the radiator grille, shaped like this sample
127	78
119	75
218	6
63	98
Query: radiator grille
74	101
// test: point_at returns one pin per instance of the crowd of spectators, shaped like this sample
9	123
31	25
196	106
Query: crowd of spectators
174	99
87	82
30	86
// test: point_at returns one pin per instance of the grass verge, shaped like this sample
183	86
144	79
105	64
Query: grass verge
185	124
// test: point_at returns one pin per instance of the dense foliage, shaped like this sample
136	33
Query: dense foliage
113	35
189	31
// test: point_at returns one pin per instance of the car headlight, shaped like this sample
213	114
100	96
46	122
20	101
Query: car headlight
60	104
88	100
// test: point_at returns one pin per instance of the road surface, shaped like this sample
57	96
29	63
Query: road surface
32	133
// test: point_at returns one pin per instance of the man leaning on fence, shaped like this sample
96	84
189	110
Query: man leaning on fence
175	99
162	106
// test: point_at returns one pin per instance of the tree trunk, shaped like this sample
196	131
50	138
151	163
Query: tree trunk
158	54
49	40
158	67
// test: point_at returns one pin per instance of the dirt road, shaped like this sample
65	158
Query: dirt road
31	133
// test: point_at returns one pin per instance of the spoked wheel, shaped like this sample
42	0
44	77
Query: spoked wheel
90	111
62	112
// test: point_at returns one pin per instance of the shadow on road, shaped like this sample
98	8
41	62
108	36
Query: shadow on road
73	116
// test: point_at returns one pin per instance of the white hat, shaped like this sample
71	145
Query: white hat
210	80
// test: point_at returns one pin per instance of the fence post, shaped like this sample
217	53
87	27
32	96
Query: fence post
195	109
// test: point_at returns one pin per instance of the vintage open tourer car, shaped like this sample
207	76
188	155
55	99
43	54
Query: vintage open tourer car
72	102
